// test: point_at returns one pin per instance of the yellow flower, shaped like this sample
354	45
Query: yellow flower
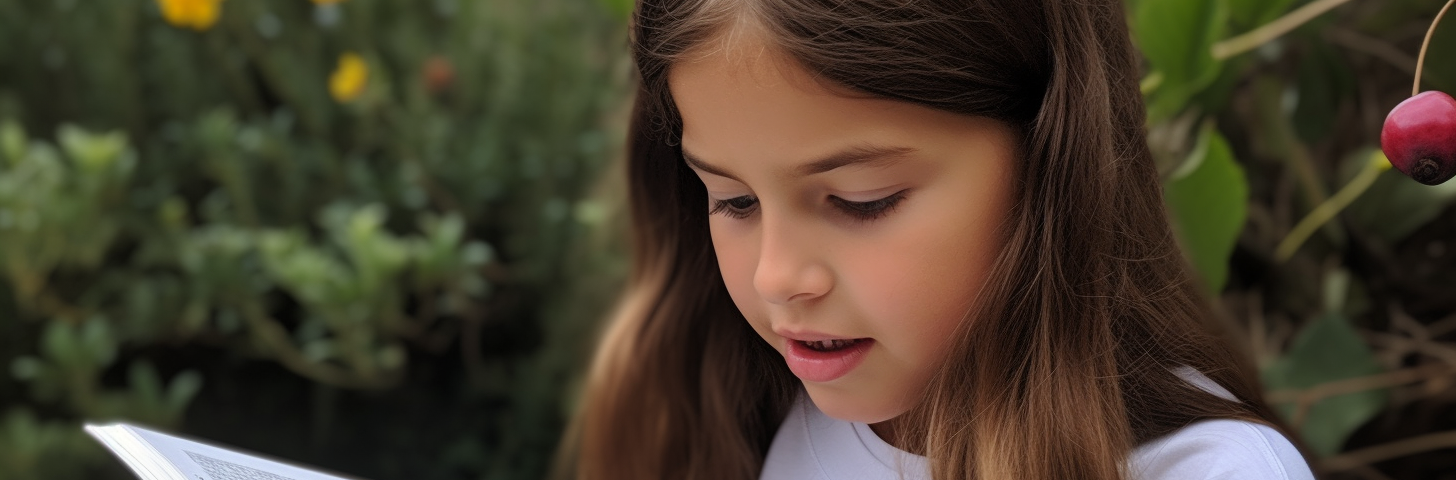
194	14
349	78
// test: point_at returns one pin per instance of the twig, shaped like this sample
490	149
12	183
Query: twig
1443	351
1421	59
1284	143
1305	400
1330	207
1403	322
1442	327
1359	384
1392	348
1272	30
1420	338
276	337
1258	330
48	304
1387	451
1372	46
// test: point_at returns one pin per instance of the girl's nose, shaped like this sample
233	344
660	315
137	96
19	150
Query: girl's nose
791	263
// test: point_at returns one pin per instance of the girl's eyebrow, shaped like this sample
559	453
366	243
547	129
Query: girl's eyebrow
867	155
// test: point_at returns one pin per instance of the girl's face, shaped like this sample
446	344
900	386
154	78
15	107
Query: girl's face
884	247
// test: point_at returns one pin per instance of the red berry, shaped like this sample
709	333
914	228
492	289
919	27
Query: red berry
1419	137
439	74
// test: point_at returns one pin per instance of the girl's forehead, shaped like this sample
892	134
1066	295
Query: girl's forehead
752	63
768	112
747	106
778	122
761	88
745	51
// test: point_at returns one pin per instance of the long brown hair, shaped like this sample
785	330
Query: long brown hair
1066	365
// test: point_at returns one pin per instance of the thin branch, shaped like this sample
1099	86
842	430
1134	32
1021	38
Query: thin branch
1330	207
1372	46
1306	399
1272	30
1421	59
1442	327
1284	143
276	337
48	304
1359	384
1258	330
1403	322
1387	451
1444	351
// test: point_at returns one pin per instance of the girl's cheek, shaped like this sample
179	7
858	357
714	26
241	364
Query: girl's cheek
736	263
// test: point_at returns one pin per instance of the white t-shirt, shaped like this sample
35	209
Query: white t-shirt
813	446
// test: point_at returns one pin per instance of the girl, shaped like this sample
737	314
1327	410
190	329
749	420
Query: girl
906	239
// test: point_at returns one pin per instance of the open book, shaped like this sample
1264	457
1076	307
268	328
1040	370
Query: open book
157	456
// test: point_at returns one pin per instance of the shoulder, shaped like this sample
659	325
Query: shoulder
1218	449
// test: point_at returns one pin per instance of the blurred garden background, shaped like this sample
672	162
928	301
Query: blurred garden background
378	236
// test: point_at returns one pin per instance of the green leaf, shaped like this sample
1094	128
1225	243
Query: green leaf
98	341
182	389
26	368
1177	37
12	141
1327	350
91	152
59	343
1207	198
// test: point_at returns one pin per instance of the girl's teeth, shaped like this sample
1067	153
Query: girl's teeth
829	344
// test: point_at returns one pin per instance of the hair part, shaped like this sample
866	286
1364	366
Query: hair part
1088	309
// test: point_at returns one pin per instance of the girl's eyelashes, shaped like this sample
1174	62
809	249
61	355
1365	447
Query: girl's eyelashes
736	207
873	209
742	207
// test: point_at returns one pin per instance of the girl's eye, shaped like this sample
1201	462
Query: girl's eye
736	207
873	209
742	207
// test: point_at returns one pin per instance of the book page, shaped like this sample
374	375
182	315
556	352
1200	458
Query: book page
199	461
141	458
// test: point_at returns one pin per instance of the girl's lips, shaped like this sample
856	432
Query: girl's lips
816	366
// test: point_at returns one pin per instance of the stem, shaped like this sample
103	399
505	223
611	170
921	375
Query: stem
1272	30
1151	82
1387	451
1372	46
1421	60
1285	143
1330	207
276	338
1366	383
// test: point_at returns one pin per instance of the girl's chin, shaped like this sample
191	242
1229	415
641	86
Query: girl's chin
853	405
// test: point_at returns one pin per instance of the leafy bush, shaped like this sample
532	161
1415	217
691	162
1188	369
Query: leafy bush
378	197
1266	116
362	234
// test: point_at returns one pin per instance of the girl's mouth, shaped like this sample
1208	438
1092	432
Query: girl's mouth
826	360
831	345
